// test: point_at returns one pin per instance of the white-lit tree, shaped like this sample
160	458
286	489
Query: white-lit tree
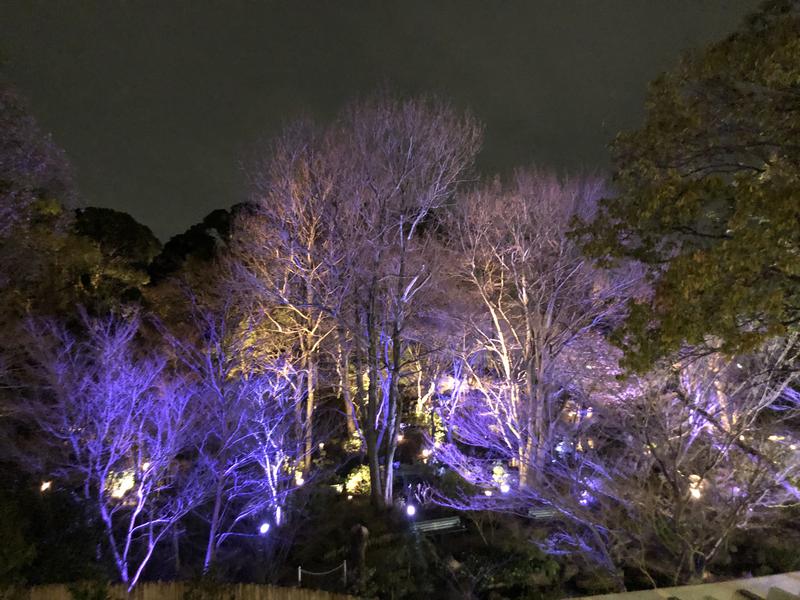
285	253
537	304
339	244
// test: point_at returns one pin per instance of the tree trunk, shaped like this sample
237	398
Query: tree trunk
371	425
373	450
393	419
344	385
368	427
212	531
311	383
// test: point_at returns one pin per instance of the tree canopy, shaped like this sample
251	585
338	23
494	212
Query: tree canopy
708	194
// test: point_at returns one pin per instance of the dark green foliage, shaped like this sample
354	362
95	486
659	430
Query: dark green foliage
46	537
709	195
118	236
200	243
17	552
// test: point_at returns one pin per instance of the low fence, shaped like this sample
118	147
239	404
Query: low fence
175	590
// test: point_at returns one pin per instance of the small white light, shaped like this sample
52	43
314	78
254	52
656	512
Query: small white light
46	485
487	493
792	446
411	510
264	528
426	452
299	481
695	493
399	437
145	466
321	445
505	488
349	496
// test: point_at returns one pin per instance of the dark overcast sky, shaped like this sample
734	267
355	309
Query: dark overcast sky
155	102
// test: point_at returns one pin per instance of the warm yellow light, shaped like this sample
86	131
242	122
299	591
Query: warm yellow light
121	484
358	482
426	452
695	482
46	485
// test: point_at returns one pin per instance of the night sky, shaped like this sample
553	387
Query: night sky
156	102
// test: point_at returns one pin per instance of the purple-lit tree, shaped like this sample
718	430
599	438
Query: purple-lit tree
250	434
116	423
656	479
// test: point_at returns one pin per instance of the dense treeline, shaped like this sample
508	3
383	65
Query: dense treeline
597	377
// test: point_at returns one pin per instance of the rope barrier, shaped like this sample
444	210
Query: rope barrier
301	570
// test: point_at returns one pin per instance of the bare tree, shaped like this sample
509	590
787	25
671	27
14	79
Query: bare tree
658	477
407	159
250	442
338	245
538	301
116	423
285	251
